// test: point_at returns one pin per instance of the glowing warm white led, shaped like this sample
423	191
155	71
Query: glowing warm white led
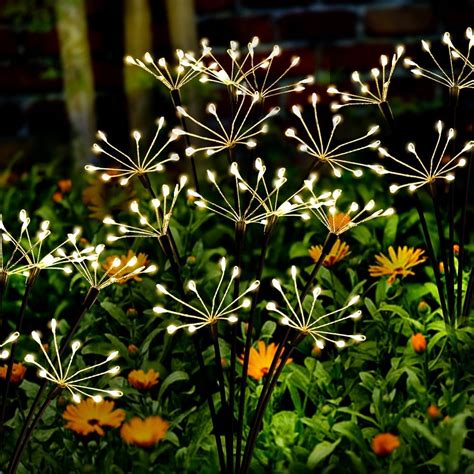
4	353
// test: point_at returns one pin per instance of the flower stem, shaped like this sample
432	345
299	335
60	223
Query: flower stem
431	254
260	411
176	99
19	326
23	441
248	342
387	115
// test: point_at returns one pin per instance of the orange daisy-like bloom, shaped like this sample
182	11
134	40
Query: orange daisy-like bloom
65	185
260	360
418	342
88	417
433	412
108	265
142	380
144	433
385	443
397	264
18	373
339	251
339	221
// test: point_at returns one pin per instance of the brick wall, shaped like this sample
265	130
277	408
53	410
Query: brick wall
333	38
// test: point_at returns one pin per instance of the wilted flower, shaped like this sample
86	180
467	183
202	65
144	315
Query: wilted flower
419	172
377	95
323	150
339	222
397	264
239	132
17	375
144	433
307	323
127	167
418	342
457	75
59	373
172	78
4	353
88	417
206	314
338	252
261	205
384	444
246	74
260	360
163	211
142	380
141	261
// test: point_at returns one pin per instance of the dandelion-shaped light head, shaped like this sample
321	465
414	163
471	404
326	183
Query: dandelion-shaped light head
323	149
202	313
248	75
381	77
26	252
418	172
63	375
4	353
223	137
99	278
336	221
173	78
143	163
458	75
259	203
318	326
162	208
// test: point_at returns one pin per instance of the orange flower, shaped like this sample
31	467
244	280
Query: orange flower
57	196
418	341
142	380
89	417
456	249
338	252
18	373
261	360
142	259
384	443
144	433
433	412
397	264
65	185
338	221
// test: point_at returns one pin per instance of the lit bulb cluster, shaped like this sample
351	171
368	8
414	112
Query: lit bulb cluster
238	133
459	73
205	314
381	79
262	204
26	253
323	150
416	172
4	353
335	221
162	209
309	323
60	373
127	167
172	78
92	271
246	74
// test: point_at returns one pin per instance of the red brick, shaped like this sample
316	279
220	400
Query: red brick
207	6
318	25
221	30
399	21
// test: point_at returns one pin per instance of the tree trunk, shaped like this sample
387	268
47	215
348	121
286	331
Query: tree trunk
78	80
182	23
138	83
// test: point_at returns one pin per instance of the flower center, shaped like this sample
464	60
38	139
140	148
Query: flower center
93	421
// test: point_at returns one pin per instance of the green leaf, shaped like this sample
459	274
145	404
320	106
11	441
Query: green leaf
268	328
177	376
320	452
418	427
283	428
117	313
390	231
